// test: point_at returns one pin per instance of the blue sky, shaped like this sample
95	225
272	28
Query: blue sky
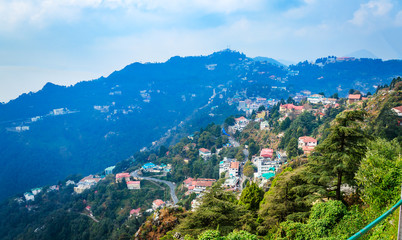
66	41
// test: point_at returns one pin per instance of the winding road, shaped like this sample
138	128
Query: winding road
171	185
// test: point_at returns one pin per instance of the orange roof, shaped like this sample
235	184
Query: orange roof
234	165
355	96
204	150
123	175
307	139
158	202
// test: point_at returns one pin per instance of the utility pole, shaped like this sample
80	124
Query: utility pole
400	221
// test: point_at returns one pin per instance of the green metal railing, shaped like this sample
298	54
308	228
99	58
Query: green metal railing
379	219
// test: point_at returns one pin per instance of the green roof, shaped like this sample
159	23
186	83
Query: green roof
268	175
110	168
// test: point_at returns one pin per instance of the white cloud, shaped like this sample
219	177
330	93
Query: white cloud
370	11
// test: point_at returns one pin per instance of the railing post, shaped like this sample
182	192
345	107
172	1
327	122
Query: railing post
400	221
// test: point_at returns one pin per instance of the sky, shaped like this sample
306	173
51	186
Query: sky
67	41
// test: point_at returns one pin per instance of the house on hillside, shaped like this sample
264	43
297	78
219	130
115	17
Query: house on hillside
86	183
158	203
234	169
204	153
315	98
29	196
224	165
109	170
352	98
240	124
398	111
307	141
133	185
290	108
264	125
267	153
120	176
135	212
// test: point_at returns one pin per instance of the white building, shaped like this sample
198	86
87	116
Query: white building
264	125
234	169
205	153
266	166
315	98
29	196
306	141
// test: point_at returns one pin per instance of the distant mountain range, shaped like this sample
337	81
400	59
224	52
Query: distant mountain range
57	131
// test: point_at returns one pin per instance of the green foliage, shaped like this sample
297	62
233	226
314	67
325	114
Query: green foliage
285	124
380	173
248	169
292	150
323	218
251	197
338	157
218	209
288	198
210	235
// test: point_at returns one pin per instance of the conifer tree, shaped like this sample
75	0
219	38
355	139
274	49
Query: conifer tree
337	159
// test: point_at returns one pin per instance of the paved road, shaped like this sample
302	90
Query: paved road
171	185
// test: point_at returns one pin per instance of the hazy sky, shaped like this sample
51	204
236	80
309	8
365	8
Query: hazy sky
66	41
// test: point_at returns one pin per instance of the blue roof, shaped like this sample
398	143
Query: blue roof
148	165
268	175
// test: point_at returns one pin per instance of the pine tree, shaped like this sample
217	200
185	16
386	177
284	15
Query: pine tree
337	158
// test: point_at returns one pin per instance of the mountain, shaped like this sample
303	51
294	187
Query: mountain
270	60
81	129
362	53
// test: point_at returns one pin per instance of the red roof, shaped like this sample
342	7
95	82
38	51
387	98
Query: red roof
398	108
188	180
123	175
90	178
191	187
290	106
267	153
135	211
240	119
355	96
133	182
202	183
88	208
307	139
158	202
204	150
234	165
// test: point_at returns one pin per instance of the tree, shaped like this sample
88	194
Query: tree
322	93
230	121
380	173
251	197
337	158
261	108
248	169
335	95
290	100
285	124
292	150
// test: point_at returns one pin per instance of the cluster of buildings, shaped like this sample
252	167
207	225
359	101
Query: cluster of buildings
197	186
86	183
318	98
151	167
267	164
132	185
30	196
231	169
252	104
240	124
